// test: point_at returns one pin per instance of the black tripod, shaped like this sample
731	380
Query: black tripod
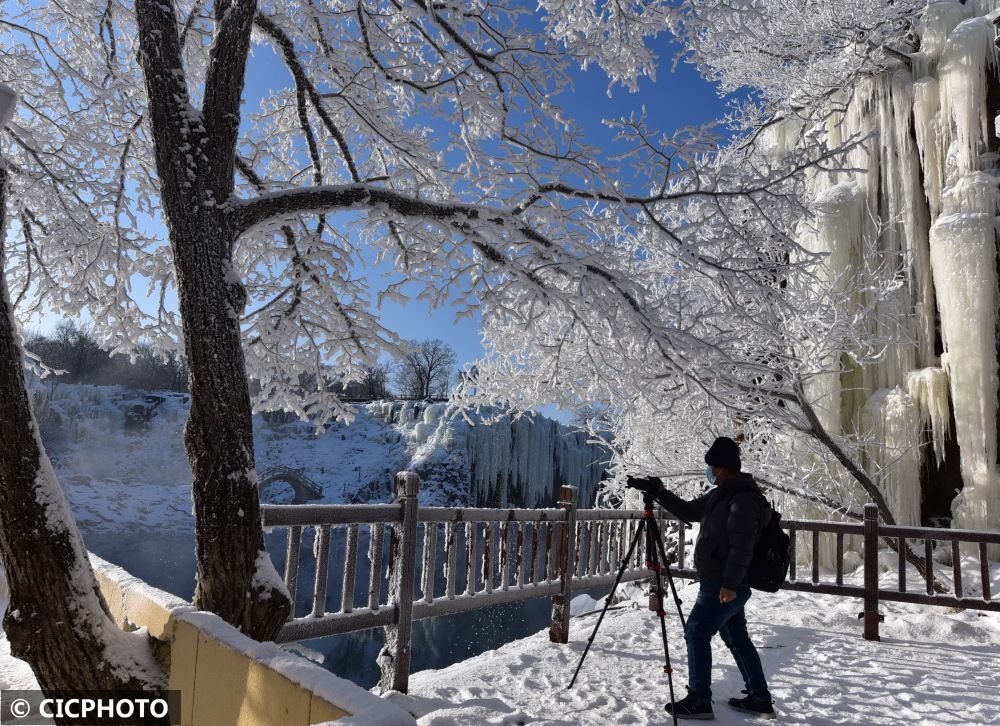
656	560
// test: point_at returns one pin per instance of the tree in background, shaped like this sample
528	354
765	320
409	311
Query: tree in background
75	355
375	384
75	350
425	370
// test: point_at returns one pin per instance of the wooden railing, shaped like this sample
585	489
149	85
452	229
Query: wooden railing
439	561
936	591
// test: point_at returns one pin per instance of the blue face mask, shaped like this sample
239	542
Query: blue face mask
710	475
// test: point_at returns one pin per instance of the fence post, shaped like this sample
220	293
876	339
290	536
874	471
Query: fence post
394	659
870	614
565	567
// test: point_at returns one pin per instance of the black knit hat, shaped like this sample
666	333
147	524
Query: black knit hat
724	453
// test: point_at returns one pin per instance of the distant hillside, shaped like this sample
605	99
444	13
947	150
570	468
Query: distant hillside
120	456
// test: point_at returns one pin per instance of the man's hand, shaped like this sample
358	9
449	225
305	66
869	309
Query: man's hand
726	595
646	484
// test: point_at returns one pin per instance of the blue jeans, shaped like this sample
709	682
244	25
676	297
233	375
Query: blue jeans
708	617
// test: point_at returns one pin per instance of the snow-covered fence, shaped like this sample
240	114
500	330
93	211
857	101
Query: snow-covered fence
440	561
222	676
899	538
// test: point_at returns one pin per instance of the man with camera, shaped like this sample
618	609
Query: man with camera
732	516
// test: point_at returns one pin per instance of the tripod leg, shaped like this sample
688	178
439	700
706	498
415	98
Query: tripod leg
670	578
607	600
668	668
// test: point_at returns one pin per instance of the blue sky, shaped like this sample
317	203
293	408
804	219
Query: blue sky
678	98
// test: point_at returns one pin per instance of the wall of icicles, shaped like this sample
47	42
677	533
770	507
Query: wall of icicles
921	222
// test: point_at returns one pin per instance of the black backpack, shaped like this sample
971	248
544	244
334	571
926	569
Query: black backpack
770	556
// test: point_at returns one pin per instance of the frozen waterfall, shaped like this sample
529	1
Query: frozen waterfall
919	223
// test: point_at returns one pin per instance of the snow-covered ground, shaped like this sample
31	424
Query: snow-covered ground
933	666
14	674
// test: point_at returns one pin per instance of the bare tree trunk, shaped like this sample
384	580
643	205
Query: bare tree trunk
195	155
57	620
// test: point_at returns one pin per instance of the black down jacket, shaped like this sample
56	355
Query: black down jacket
732	516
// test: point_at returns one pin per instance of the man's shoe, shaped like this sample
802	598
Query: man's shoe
762	707
691	707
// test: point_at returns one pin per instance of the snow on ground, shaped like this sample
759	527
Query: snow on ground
933	666
14	674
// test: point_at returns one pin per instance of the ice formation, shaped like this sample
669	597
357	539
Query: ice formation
503	460
963	260
919	223
928	387
835	231
963	253
892	419
120	456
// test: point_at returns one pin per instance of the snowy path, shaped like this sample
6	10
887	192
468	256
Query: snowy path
932	667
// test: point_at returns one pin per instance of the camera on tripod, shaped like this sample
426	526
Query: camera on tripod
648	537
650	486
645	484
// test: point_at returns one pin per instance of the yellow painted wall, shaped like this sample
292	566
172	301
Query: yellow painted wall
220	680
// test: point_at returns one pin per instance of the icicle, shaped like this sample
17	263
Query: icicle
926	105
981	7
937	23
835	232
968	54
523	462
892	420
963	257
779	139
914	227
928	388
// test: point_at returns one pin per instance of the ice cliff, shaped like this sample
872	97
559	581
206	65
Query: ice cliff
491	459
914	213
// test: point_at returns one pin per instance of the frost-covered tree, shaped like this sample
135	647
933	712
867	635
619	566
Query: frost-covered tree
56	618
842	361
922	83
429	132
794	55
